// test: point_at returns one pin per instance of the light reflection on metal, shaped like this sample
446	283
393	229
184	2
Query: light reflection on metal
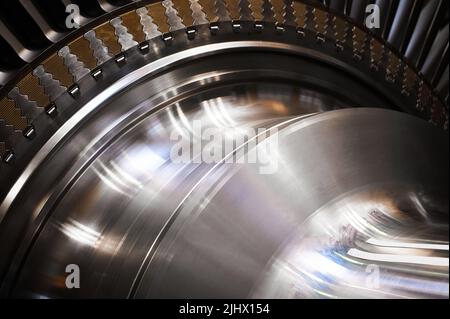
81	233
289	234
330	255
398	259
399	244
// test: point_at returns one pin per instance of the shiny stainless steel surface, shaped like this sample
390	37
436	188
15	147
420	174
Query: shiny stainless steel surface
238	233
345	195
129	79
232	108
321	202
375	242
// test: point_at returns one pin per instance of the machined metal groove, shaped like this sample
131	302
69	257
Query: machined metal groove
106	33
257	9
210	9
289	14
222	11
173	19
199	17
56	67
148	27
341	30
320	21
245	11
376	52
12	115
359	42
30	87
184	11
12	135
131	20
28	109
80	47
393	67
267	11
75	67
125	39
425	97
435	115
278	8
99	51
233	9
301	14
7	144
158	13
51	86
409	80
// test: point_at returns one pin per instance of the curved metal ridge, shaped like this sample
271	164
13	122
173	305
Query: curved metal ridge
382	216
118	86
46	125
227	149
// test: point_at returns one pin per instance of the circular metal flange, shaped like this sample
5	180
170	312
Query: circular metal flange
185	67
120	208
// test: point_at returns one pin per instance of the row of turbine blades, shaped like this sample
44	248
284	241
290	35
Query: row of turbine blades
418	29
426	24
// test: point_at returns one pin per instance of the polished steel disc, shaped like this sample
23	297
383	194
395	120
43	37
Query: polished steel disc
227	149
